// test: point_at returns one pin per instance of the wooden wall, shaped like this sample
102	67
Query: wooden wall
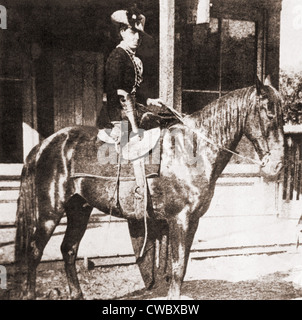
12	56
78	88
290	183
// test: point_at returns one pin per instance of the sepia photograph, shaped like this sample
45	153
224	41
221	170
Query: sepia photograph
150	150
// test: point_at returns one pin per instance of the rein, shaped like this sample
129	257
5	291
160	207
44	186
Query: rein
182	120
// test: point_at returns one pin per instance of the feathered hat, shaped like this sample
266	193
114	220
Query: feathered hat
131	18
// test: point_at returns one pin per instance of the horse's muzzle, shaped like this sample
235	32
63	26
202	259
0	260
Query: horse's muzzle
271	169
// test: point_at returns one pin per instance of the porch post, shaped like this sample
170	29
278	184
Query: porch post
30	126
167	50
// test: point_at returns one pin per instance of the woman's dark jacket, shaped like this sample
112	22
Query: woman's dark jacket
119	74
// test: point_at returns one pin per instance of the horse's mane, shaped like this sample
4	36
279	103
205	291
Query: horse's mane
223	118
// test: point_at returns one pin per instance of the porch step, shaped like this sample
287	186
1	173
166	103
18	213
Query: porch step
8	195
13	183
9	192
9	188
8	213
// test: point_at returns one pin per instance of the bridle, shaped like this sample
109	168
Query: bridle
267	152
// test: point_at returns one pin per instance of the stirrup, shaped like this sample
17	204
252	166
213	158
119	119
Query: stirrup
138	194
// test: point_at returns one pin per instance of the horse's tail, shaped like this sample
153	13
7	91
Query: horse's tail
26	218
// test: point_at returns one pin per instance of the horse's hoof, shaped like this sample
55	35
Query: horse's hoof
173	295
150	286
54	294
78	296
29	296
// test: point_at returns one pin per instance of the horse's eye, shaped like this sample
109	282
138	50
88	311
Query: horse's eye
270	112
271	108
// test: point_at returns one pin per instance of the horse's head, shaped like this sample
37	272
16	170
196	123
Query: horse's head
264	127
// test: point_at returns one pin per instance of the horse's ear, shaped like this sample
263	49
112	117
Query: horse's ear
259	86
268	81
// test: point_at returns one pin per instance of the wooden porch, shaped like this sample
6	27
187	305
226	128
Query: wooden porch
57	74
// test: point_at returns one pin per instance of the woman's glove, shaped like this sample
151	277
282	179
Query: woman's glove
155	102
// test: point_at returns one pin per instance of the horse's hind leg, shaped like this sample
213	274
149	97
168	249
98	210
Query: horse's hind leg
78	213
41	236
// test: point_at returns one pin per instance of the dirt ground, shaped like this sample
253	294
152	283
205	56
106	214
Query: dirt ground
244	277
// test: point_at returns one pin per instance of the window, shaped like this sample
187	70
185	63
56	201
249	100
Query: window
238	54
218	59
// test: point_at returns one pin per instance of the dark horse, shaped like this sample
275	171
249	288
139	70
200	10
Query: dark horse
184	188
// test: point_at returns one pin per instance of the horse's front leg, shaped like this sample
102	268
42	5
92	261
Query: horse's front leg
178	228
182	231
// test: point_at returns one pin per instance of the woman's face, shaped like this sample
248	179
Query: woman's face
131	38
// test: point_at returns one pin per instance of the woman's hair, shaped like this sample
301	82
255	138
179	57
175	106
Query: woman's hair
120	27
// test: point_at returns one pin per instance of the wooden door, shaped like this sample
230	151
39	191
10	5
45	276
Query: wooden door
78	88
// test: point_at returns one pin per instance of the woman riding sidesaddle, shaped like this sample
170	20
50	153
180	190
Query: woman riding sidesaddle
124	75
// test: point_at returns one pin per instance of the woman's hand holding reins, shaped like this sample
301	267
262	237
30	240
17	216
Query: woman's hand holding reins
155	102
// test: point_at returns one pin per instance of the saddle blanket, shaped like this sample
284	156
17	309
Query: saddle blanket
98	158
